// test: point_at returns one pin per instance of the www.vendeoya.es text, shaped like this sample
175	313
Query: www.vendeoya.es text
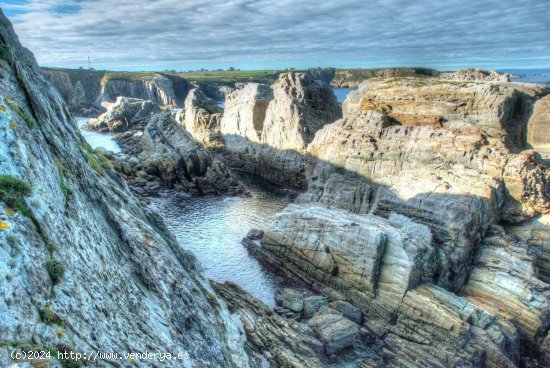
97	356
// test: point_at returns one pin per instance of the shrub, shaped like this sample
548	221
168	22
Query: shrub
12	193
48	316
56	270
94	163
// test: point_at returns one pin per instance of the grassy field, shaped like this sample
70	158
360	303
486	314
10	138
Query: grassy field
232	76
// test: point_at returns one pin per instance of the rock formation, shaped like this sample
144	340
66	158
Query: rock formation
477	75
268	128
352	78
83	266
159	152
539	127
401	218
201	118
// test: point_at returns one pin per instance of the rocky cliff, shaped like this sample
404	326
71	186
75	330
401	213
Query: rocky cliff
352	78
268	128
417	211
157	151
83	266
201	118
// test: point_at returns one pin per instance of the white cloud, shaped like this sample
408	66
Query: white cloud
146	34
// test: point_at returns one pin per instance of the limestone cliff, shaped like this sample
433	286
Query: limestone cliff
83	266
268	128
403	212
201	118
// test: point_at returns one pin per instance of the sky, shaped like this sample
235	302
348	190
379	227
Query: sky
276	34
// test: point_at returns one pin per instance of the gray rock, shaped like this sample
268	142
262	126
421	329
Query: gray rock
347	310
291	299
335	332
255	234
313	303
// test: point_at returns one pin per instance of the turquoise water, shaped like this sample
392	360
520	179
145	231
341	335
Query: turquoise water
213	227
538	78
97	140
342	93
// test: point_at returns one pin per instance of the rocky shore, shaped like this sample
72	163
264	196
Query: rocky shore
417	212
158	152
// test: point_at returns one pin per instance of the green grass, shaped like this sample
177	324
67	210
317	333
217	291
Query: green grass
13	192
49	317
233	76
29	120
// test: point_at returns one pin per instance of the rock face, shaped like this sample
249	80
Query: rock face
201	118
83	267
352	78
123	115
400	219
162	152
539	127
477	75
159	88
268	129
283	342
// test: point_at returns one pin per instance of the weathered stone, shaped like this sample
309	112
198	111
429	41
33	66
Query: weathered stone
201	118
538	130
349	311
255	234
313	303
285	342
336	332
127	284
268	128
291	299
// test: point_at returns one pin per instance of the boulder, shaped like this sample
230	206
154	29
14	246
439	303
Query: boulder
336	332
255	234
291	299
348	310
124	114
313	303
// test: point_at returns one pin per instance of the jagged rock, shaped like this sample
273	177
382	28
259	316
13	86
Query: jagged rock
426	168
285	342
255	234
360	256
201	117
435	328
123	115
504	282
349	311
336	332
291	299
163	150
313	303
538	135
83	266
477	75
155	87
268	130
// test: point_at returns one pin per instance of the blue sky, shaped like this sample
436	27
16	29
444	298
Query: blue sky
258	34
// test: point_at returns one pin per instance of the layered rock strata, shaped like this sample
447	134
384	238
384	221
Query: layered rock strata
267	128
83	266
201	118
399	218
160	152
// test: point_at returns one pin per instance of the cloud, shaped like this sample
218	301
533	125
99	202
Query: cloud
175	34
